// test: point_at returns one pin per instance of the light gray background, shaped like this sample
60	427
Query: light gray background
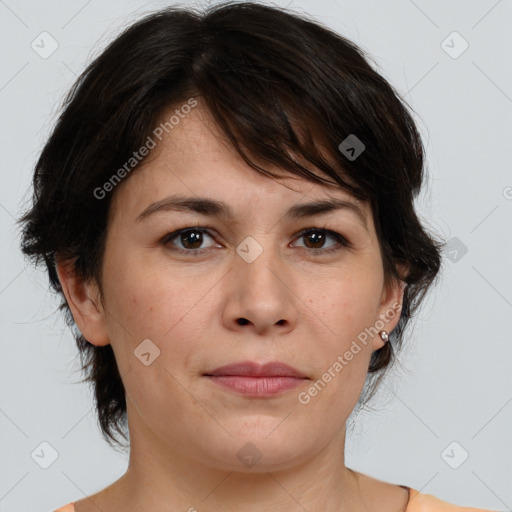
455	383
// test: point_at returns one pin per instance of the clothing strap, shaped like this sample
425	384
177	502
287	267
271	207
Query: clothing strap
408	495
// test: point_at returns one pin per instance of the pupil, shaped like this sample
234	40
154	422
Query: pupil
195	236
319	238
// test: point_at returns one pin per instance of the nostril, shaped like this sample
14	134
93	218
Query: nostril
243	321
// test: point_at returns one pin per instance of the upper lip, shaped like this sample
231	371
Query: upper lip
253	369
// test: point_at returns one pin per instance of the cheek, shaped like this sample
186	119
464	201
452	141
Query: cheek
340	320
341	356
147	294
151	309
170	308
346	304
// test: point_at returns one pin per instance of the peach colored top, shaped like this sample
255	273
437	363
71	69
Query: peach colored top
418	502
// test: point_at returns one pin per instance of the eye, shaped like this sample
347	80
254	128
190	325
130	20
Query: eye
190	238
315	239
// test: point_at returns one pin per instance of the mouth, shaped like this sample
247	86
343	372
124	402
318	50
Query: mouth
251	379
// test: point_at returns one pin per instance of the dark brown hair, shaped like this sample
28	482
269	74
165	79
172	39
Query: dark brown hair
278	84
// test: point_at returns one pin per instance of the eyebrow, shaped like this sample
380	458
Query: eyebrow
214	208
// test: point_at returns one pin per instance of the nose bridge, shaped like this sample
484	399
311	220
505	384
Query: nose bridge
258	260
259	290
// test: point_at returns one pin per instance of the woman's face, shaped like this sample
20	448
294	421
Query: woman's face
249	287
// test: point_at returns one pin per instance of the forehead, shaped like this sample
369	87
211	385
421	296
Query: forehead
195	168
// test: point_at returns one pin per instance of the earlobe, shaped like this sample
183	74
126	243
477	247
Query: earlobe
390	307
83	299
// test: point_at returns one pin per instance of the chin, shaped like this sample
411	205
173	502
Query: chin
261	447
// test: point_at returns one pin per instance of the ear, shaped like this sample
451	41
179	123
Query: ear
390	306
84	300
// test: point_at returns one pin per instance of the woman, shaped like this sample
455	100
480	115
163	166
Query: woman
226	208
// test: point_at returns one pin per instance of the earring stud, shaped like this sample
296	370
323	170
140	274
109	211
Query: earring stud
384	335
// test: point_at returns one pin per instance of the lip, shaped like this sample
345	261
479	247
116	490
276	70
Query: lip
253	369
257	381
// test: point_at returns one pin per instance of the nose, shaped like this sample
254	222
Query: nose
260	294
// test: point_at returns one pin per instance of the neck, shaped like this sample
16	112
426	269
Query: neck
160	477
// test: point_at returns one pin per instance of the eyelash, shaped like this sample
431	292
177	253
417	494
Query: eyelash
342	241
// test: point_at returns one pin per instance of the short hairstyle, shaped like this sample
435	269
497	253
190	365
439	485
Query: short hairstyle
284	89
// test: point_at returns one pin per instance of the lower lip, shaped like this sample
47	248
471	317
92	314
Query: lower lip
257	386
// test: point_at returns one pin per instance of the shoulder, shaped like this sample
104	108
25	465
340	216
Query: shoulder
419	502
387	496
70	507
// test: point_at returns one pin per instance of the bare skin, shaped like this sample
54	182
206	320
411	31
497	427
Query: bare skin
302	305
375	495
